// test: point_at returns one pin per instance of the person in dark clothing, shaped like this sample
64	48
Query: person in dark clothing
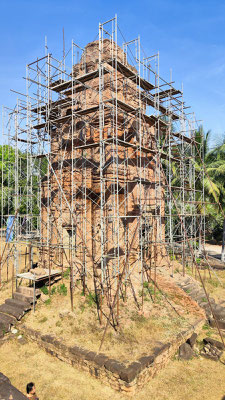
31	391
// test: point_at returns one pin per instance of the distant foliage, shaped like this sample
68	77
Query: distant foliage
19	177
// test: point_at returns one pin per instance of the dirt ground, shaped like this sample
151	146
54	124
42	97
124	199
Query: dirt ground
197	379
213	249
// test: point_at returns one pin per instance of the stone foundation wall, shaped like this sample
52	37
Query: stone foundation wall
8	391
127	379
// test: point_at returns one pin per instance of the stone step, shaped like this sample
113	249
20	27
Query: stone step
221	324
207	309
203	304
219	311
201	293
14	311
195	293
212	300
8	318
213	342
18	303
190	287
179	285
21	297
185	281
4	328
200	300
28	291
20	308
2	331
199	296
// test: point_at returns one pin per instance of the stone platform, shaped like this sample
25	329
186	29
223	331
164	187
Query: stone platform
8	391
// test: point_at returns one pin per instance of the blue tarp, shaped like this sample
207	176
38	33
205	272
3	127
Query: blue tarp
9	229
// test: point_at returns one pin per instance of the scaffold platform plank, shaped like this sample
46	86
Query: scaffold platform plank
151	119
167	93
77	80
126	107
67	117
183	137
52	105
128	73
153	103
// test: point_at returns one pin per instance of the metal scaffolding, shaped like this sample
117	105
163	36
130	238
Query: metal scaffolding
100	170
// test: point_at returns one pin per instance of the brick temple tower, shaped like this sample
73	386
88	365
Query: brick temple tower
103	195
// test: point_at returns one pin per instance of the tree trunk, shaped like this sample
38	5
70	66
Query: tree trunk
223	243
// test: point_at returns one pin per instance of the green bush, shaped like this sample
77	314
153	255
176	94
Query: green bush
53	290
138	318
82	308
66	274
42	320
213	282
44	290
91	299
62	289
209	331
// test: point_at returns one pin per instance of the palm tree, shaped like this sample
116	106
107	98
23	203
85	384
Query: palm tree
214	183
212	161
216	170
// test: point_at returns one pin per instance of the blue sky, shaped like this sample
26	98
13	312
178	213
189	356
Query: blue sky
188	34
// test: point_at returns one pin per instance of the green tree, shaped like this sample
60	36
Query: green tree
14	166
212	162
214	184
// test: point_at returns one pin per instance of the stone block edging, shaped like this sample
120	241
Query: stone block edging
127	379
8	391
